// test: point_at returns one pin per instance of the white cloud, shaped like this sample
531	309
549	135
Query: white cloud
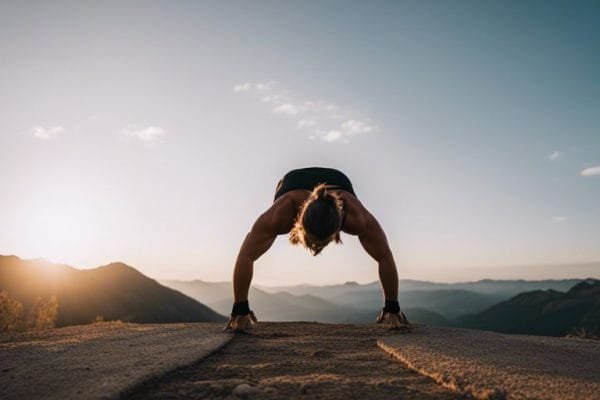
286	108
591	171
331	136
320	119
248	86
149	134
242	87
271	98
355	127
559	219
42	133
265	85
556	155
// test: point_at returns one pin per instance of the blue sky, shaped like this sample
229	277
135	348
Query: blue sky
155	133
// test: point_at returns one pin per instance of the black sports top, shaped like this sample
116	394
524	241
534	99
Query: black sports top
308	178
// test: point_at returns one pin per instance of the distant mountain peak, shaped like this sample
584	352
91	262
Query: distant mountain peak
118	266
585	285
543	312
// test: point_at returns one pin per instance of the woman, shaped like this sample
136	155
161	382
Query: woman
314	205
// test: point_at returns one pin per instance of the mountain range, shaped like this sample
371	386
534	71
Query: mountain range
423	302
113	292
119	292
544	312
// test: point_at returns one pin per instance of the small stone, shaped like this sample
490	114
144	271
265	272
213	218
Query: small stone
244	390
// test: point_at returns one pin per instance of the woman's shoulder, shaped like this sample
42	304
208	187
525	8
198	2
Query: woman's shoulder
356	213
285	208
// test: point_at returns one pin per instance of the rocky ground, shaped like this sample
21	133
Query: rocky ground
489	365
294	360
98	361
297	360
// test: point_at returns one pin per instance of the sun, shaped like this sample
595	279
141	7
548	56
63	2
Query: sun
60	226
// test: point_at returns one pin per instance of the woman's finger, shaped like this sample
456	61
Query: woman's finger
403	318
395	321
229	324
242	323
253	317
399	322
238	324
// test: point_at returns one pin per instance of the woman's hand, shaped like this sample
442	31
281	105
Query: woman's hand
241	323
396	320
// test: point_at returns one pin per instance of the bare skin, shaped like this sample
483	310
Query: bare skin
279	220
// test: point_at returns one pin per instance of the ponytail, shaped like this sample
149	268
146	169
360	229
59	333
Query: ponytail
316	221
320	191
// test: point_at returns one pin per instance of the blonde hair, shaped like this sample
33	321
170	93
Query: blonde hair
319	220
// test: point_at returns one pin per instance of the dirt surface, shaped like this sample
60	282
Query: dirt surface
298	360
491	365
293	360
98	361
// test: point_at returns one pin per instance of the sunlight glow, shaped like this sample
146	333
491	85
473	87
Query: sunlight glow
61	225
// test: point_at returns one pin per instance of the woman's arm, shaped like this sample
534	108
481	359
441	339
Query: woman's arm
373	239
375	243
257	242
275	221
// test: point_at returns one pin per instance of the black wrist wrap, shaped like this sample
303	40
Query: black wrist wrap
391	306
240	308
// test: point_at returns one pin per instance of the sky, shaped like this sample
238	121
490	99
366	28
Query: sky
154	133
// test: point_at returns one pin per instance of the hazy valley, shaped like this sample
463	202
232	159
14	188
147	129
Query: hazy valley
469	304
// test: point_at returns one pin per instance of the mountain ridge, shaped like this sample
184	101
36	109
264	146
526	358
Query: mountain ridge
544	312
350	302
114	291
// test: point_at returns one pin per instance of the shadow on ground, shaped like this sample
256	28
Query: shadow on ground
293	360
